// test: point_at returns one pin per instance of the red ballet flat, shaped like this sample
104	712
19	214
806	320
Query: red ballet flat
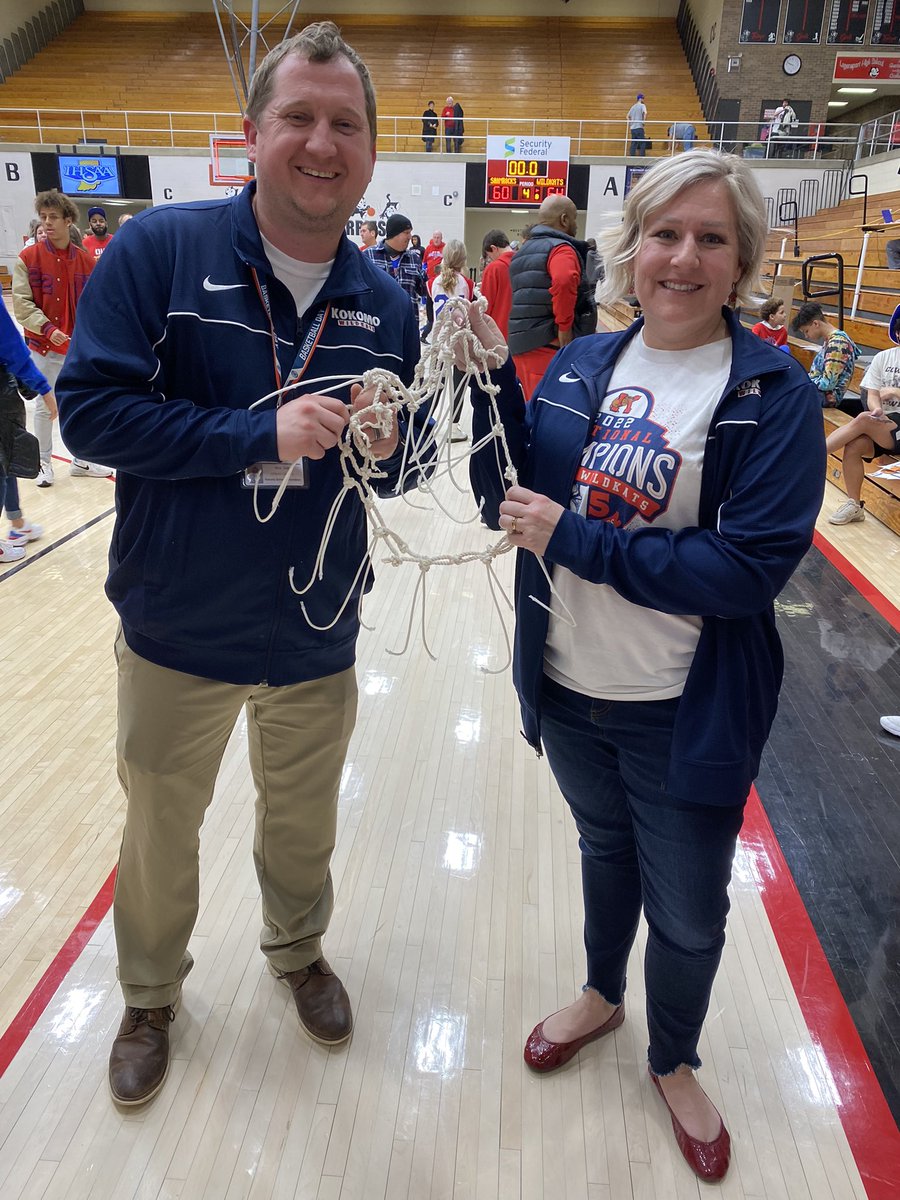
708	1160
543	1055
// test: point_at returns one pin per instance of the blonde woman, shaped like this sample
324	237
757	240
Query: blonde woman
660	488
451	282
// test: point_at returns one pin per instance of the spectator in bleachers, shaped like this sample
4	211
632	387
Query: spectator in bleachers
593	270
637	115
429	126
832	368
784	123
495	285
892	251
459	128
415	244
124	217
448	119
684	132
771	324
873	433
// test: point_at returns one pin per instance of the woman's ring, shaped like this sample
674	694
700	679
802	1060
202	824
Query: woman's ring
514	527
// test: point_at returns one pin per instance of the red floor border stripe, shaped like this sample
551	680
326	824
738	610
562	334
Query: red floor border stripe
867	1120
855	577
30	1012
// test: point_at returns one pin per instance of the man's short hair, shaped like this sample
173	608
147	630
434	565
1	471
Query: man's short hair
494	237
806	314
55	200
372	225
769	308
320	42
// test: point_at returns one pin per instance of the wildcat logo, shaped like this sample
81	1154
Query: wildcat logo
750	387
622	403
628	468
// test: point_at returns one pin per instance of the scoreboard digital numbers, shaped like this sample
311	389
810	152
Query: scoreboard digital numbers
521	171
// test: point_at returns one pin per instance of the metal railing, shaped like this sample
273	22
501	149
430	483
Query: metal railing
879	136
149	128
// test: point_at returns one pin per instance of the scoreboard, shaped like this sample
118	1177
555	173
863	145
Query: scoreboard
521	171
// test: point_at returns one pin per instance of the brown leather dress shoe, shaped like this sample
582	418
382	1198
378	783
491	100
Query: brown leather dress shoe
543	1055
323	1005
139	1060
708	1160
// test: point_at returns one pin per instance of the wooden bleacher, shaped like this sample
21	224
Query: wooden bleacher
555	69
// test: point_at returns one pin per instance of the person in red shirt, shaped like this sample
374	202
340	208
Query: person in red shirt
495	285
771	326
48	280
448	124
432	256
99	237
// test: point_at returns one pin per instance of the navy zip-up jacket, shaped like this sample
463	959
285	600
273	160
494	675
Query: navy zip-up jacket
761	489
173	344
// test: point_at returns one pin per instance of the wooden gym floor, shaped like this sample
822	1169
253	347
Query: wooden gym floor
457	921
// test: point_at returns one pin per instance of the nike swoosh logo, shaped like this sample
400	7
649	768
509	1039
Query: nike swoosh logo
567	378
221	287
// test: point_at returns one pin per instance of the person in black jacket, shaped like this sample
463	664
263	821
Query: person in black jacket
429	126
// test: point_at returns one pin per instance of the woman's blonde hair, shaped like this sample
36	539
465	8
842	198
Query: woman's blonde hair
662	183
452	265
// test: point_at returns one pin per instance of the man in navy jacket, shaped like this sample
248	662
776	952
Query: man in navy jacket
201	310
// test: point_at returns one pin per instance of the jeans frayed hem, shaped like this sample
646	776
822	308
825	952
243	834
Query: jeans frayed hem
695	1066
589	987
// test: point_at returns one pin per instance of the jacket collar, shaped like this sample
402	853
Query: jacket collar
347	276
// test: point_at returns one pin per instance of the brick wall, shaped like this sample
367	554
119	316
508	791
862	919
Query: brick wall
761	77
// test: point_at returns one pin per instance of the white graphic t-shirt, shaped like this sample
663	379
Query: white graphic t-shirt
641	467
884	372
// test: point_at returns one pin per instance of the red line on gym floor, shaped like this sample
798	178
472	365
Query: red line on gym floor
30	1012
865	587
870	1128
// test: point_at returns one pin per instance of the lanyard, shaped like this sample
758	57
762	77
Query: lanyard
307	346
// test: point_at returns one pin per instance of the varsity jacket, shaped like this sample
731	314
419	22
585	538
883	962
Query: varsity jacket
531	320
47	287
175	342
761	490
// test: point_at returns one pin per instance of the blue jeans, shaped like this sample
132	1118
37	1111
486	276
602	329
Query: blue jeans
9	497
641	846
638	147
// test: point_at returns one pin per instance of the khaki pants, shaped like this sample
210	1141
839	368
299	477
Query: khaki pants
173	729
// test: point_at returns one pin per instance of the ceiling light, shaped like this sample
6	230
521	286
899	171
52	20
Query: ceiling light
838	103
850	91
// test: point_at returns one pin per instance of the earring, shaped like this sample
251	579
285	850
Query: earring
732	299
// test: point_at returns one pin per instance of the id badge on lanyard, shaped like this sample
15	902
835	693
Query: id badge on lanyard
272	475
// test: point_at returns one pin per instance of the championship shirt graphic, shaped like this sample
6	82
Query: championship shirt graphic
628	469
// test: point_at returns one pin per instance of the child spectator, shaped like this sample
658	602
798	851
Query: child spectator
832	368
771	326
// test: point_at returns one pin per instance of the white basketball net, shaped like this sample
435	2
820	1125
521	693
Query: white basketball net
359	470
